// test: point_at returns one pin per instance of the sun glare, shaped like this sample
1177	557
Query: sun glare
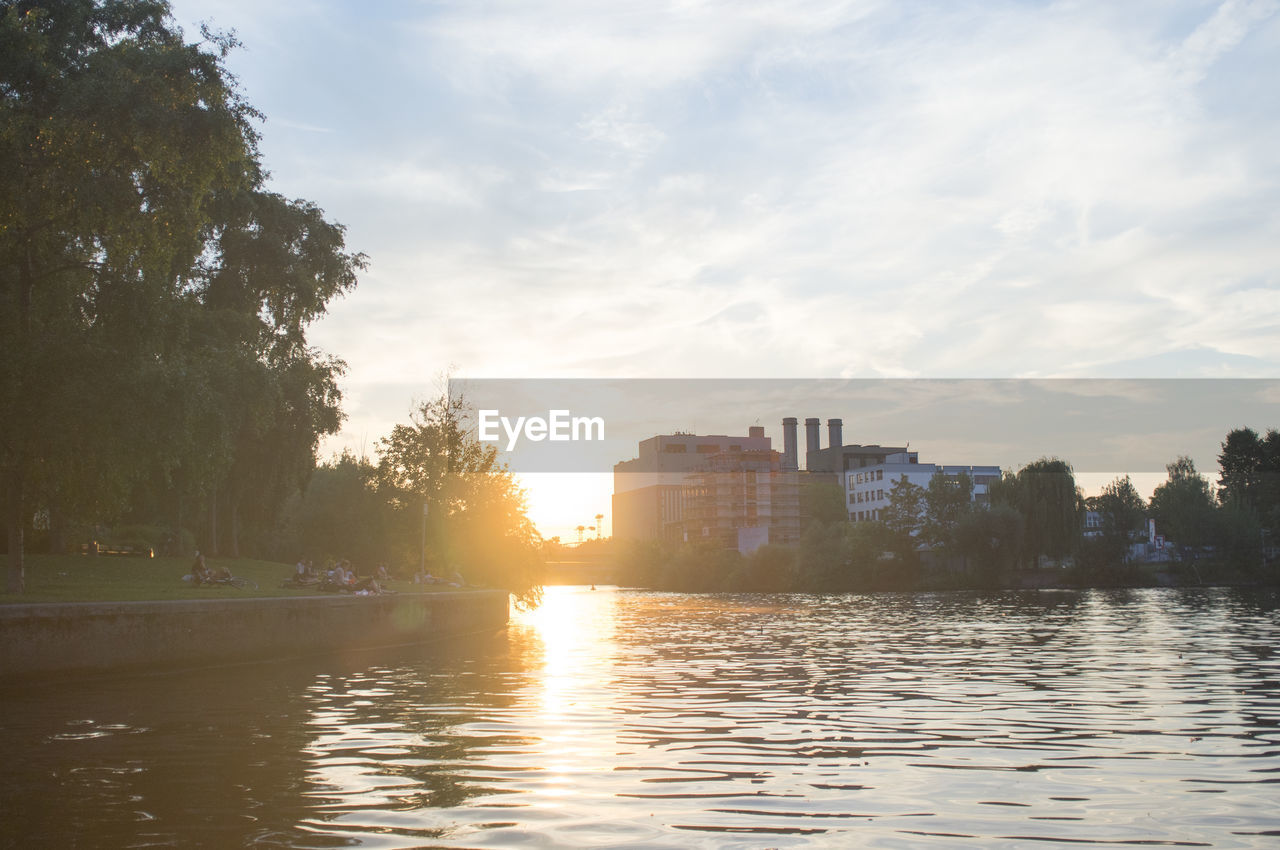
561	501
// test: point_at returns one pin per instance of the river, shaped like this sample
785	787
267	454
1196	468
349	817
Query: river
632	719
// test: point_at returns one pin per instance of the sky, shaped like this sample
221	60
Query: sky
776	190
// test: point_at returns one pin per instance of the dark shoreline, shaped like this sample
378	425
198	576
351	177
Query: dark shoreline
41	639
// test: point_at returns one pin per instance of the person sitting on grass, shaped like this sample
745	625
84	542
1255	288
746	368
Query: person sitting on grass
200	573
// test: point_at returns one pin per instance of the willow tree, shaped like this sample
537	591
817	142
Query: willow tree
1044	492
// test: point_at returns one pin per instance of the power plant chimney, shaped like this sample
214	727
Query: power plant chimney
790	462
811	437
835	430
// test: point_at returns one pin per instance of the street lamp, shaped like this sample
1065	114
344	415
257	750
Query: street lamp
422	564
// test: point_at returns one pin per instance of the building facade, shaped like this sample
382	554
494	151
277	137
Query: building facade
868	487
717	488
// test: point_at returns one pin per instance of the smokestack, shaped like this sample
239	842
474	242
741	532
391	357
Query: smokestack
811	437
835	430
790	462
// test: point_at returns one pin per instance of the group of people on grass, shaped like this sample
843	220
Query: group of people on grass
425	577
339	577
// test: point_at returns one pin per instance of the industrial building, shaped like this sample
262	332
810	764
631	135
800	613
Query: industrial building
717	488
741	493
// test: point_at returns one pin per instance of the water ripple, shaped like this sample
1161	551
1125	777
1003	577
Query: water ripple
629	719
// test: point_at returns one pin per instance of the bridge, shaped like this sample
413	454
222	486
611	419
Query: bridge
581	572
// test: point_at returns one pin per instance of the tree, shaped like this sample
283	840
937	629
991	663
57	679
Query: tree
1250	474
339	515
823	503
948	499
990	540
1123	513
904	517
1240	465
120	136
1044	493
822	557
1183	506
477	512
153	296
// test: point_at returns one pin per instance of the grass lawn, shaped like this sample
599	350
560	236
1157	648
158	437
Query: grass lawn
80	578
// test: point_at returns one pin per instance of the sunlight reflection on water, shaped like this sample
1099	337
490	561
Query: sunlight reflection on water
630	719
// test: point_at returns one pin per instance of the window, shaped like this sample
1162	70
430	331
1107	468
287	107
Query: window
707	449
879	474
675	448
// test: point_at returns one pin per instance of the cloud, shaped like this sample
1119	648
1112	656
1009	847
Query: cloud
790	189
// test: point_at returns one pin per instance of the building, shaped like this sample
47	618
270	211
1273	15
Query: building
742	502
868	487
740	492
688	487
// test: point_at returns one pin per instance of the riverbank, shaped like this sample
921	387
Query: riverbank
63	638
108	578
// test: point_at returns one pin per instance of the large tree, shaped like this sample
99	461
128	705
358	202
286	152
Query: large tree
1250	474
117	135
153	295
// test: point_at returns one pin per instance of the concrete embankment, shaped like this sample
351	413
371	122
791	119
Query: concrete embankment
67	637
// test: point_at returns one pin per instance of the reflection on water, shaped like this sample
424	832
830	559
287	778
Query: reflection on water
621	718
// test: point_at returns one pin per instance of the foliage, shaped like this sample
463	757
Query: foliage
640	562
948	499
822	561
1098	565
1239	534
1183	506
1250	473
476	521
147	278
769	569
904	517
1123	514
1044	493
823	503
339	516
990	540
